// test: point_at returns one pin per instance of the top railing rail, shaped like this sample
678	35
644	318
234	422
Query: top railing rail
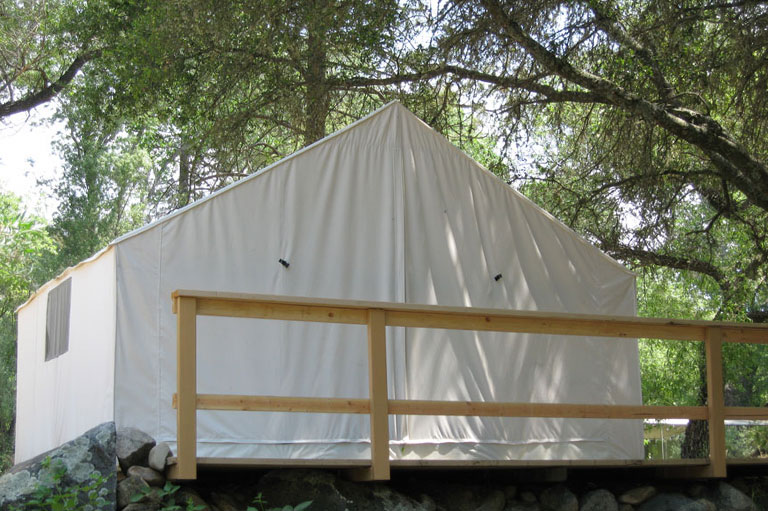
187	305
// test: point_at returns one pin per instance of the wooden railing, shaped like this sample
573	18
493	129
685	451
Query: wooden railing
187	305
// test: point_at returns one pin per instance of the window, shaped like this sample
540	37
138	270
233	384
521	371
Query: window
57	320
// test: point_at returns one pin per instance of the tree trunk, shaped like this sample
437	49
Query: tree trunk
696	440
316	96
184	174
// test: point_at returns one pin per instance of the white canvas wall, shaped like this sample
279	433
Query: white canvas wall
334	221
463	228
386	210
62	398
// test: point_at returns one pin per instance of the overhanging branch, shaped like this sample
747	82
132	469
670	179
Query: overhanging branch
50	91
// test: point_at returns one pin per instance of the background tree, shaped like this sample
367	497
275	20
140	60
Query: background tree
23	242
235	86
640	124
646	120
43	46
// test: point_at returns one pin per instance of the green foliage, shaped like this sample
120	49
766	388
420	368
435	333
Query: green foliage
103	189
230	87
24	242
670	369
167	498
187	96
44	44
55	496
259	504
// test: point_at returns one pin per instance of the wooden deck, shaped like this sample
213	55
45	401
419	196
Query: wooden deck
668	468
376	316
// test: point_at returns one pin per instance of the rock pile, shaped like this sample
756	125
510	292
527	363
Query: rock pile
141	478
329	491
72	466
132	467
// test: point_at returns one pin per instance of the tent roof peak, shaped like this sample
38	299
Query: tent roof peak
395	104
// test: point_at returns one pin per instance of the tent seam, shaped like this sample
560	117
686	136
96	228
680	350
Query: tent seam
158	331
114	339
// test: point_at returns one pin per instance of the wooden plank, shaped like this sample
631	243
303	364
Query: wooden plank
713	346
186	385
747	461
511	464
748	333
377	393
460	464
213	462
287	312
480	409
461	408
280	404
746	413
545	325
688	329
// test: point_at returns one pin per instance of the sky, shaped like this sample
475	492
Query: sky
26	155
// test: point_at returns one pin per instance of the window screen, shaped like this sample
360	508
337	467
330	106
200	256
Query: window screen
57	320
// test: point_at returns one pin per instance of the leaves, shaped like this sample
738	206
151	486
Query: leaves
56	495
259	505
24	241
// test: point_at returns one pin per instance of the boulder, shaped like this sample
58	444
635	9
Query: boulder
708	505
672	502
186	495
599	500
452	496
558	498
130	488
226	503
133	446
728	498
328	492
142	506
493	502
151	477
427	503
523	506
637	495
158	456
87	462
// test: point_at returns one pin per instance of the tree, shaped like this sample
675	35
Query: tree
631	108
238	85
217	90
643	122
23	242
647	120
43	46
103	192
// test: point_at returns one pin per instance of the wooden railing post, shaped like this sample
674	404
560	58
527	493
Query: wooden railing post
377	394
713	344
186	388
377	316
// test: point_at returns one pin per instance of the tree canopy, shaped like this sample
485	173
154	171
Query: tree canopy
647	120
24	243
641	124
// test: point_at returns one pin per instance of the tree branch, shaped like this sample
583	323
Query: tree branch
611	27
50	91
734	162
647	257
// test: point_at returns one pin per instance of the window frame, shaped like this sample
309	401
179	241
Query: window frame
57	320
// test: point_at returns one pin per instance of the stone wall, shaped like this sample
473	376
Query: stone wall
131	468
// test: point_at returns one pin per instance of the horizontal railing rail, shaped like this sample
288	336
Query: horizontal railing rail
188	305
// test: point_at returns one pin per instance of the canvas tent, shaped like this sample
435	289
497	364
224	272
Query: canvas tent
385	209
